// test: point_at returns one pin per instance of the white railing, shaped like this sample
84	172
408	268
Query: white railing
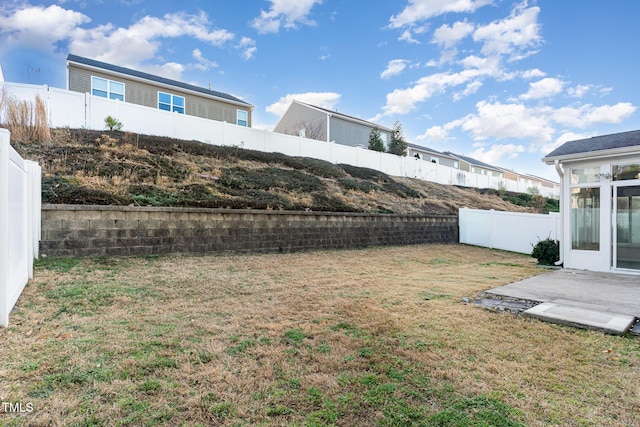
20	207
510	231
76	110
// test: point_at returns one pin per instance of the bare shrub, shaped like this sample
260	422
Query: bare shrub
27	121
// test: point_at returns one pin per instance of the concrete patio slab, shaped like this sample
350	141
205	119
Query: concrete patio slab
604	301
582	317
607	292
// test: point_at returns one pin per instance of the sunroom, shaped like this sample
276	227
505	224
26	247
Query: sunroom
600	202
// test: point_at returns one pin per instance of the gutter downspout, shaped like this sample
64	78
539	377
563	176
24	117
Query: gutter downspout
562	211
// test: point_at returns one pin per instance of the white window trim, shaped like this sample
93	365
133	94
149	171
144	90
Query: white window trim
171	104
238	112
109	91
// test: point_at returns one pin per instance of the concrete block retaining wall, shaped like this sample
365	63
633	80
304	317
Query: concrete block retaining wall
73	230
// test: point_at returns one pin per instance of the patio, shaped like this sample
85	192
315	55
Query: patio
604	301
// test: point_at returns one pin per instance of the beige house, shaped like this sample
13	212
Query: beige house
111	81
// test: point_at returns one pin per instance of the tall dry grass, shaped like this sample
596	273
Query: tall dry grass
27	121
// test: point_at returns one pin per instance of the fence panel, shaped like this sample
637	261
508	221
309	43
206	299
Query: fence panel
68	109
17	225
510	231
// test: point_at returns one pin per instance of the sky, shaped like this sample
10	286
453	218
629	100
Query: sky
502	81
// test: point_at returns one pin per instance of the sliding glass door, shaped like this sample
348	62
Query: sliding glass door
626	216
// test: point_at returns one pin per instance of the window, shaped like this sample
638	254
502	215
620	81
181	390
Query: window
585	218
107	88
243	118
169	102
584	175
626	172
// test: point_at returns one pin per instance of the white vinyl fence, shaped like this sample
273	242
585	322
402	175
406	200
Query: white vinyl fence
82	110
20	207
510	231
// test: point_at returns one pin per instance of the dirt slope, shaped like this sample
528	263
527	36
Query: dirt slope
119	168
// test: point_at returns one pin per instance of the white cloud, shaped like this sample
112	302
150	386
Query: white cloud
533	74
248	47
284	13
511	36
39	27
503	121
141	41
203	64
496	152
535	125
579	91
423	10
394	67
403	101
49	28
544	88
434	134
471	88
448	36
587	115
326	100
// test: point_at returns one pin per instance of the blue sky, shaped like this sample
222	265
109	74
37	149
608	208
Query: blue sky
499	80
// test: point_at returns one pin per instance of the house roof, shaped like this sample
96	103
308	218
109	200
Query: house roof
146	76
428	150
473	161
345	116
616	143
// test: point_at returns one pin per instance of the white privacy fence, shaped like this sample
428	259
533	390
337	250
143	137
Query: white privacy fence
510	231
77	110
20	206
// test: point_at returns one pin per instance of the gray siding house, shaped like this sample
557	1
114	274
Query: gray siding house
111	81
431	155
322	124
469	164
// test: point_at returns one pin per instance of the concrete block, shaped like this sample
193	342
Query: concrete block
159	216
99	224
147	224
137	215
56	235
113	215
88	214
51	224
119	223
76	224
58	214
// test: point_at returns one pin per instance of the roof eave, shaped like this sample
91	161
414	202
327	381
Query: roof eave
344	117
589	155
160	84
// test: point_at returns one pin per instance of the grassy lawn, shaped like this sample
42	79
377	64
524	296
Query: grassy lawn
350	338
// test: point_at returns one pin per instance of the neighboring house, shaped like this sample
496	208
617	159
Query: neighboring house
472	165
600	202
528	180
319	123
123	84
431	155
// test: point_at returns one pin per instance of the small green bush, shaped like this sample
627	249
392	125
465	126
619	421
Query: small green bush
546	251
112	123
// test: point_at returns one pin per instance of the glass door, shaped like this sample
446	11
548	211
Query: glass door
626	231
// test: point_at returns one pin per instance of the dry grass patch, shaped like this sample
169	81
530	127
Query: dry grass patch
363	337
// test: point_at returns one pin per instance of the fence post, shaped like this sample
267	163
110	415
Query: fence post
4	227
